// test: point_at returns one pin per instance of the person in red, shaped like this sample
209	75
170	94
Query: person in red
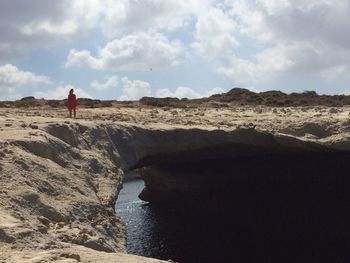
72	103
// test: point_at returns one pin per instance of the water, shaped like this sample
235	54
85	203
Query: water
144	236
162	232
248	228
136	215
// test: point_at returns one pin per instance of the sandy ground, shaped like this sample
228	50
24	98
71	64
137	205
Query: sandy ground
318	123
57	189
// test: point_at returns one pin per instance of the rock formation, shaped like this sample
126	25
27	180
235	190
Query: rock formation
273	171
59	183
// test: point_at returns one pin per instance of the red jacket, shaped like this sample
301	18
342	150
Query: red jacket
72	101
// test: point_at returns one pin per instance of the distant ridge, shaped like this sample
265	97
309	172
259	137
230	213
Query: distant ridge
236	96
239	96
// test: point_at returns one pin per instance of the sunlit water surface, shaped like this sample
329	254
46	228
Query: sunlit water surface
162	232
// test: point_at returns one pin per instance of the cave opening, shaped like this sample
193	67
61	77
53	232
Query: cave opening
288	207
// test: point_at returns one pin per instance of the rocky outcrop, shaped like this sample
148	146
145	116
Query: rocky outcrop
60	180
59	184
240	96
288	191
141	147
234	97
176	163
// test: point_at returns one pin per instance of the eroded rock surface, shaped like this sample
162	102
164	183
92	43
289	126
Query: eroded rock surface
59	183
60	178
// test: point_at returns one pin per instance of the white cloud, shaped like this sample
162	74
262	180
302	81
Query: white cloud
134	89
61	92
180	92
312	20
83	58
290	59
266	65
215	34
39	23
111	82
11	76
249	41
46	28
130	89
164	92
123	16
216	90
141	51
13	81
290	37
186	92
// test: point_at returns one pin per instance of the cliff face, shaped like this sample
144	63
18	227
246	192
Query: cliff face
59	184
177	163
283	190
60	179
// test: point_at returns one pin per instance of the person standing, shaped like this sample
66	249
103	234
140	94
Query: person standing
72	103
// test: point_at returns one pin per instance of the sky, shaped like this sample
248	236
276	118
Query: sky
127	49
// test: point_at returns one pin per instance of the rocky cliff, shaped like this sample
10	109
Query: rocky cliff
276	172
59	184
